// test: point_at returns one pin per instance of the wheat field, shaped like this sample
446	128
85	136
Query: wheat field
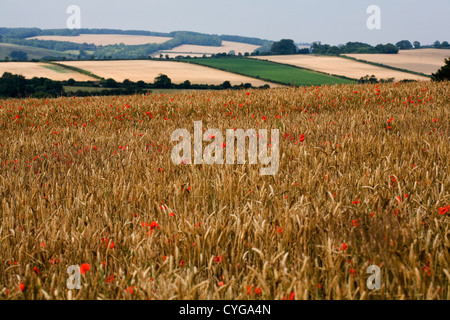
342	67
148	70
427	61
106	39
36	69
363	180
226	47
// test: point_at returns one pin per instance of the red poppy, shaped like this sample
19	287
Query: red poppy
182	263
356	201
355	222
85	267
130	289
218	259
444	210
22	286
302	138
258	291
110	279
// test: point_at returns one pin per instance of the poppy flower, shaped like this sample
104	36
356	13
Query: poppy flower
130	289
110	279
444	210
85	267
258	291
218	259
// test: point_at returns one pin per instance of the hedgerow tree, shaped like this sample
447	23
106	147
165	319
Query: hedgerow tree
443	73
285	46
162	81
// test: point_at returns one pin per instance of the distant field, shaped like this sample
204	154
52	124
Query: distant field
37	69
32	52
340	66
147	70
226	47
427	61
271	71
106	39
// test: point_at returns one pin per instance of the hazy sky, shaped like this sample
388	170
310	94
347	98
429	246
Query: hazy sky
329	21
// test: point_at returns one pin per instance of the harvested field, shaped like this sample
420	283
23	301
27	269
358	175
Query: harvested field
106	39
226	47
38	69
147	70
427	61
340	66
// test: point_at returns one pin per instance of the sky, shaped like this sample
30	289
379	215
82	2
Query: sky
329	21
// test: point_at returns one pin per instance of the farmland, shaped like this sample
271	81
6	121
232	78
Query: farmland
426	61
38	69
341	66
270	71
363	180
226	47
106	39
32	52
147	70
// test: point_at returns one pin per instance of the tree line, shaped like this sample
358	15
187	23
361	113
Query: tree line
17	86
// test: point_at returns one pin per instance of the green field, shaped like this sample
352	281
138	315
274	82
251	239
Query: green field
88	89
32	52
57	68
270	71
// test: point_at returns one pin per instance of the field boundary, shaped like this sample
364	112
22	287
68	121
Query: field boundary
307	69
79	70
387	66
192	60
239	73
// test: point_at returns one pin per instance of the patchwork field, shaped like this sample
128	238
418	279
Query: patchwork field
363	180
32	52
427	61
270	71
106	39
147	70
340	66
39	69
226	47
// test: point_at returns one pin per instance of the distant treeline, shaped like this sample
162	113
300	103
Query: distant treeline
353	47
16	86
119	51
